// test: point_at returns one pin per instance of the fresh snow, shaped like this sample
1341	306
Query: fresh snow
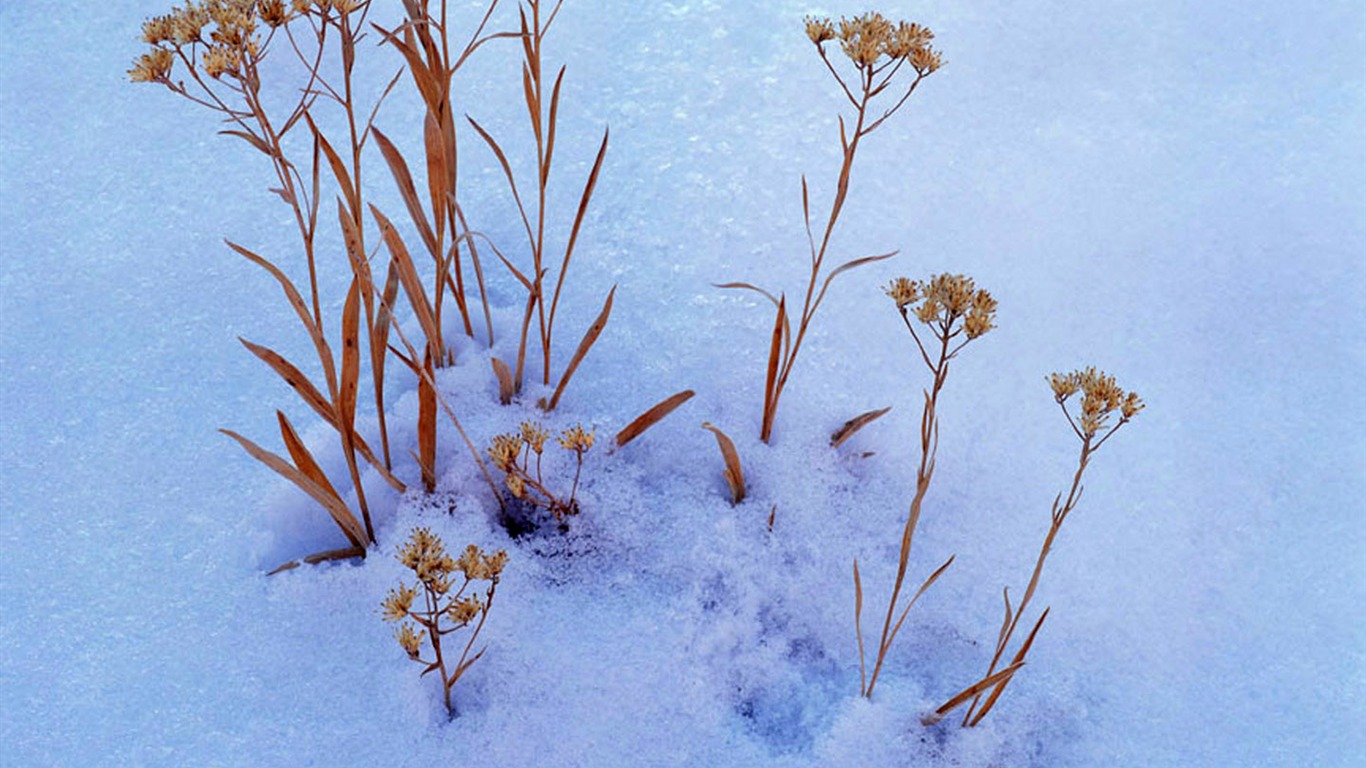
1172	192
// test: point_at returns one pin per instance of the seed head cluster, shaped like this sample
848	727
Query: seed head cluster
221	38
1100	398
518	456
869	38
944	300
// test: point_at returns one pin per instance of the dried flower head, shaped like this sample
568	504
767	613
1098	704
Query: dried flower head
152	67
819	30
904	291
535	435
1101	397
463	611
505	451
944	300
399	602
576	440
515	484
411	641
868	38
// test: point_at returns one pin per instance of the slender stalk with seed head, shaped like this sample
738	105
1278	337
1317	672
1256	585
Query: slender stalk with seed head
956	313
879	51
1101	398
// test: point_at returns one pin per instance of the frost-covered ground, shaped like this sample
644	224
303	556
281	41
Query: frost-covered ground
1171	191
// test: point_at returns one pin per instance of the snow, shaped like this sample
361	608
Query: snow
1170	192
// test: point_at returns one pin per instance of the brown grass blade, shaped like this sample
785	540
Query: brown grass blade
653	416
749	287
379	343
355	252
399	168
320	557
334	161
845	267
855	424
1015	663
533	107
434	144
968	693
586	344
426	428
735	476
342	516
775	359
407	275
1005	623
507	172
550	128
295	379
578	223
303	458
301	309
426	83
506	386
806	216
926	585
858	630
251	139
350	372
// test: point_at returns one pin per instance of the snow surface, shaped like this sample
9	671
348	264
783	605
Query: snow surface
1171	191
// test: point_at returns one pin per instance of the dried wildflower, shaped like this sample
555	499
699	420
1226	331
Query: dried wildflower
535	436
980	316
576	440
273	12
943	302
410	641
505	451
445	608
152	67
158	29
878	49
462	612
523	478
903	291
1101	398
819	30
399	601
925	61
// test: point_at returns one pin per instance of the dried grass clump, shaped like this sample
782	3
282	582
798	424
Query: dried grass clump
444	606
883	55
956	312
212	53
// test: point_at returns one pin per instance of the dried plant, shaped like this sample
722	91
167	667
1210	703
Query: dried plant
1101	398
956	312
651	417
518	456
735	476
444	607
880	52
424	42
543	115
219	47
